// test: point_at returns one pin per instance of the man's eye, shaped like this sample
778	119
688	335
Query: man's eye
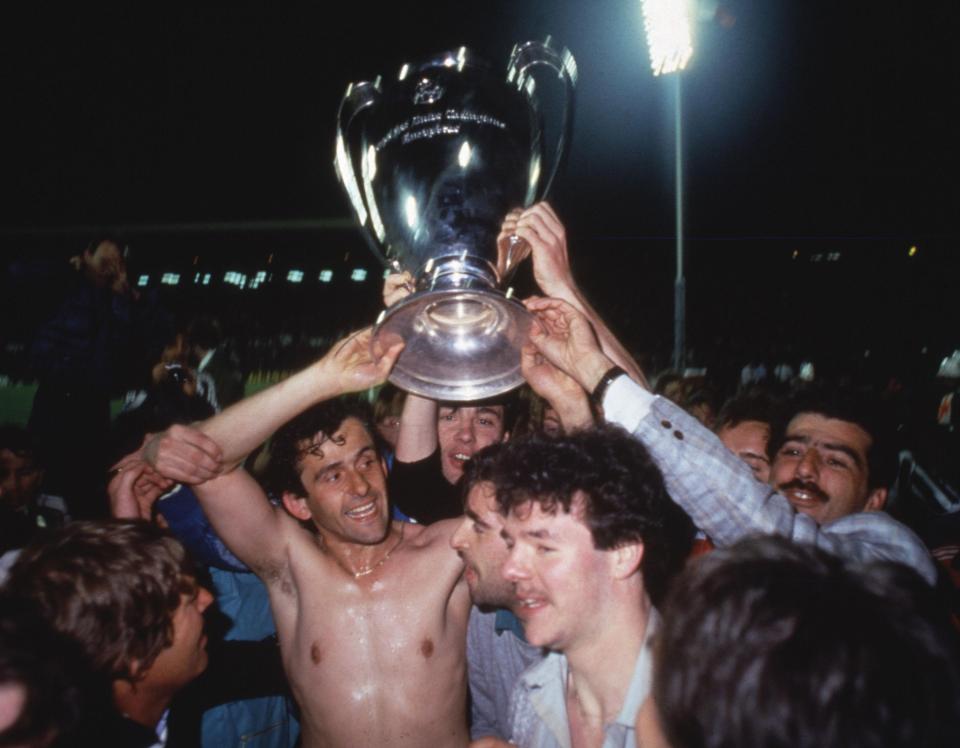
834	462
790	452
332	477
543	550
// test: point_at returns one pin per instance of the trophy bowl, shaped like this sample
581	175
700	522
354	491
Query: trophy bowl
445	149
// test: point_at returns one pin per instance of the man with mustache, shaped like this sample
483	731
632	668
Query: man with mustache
828	477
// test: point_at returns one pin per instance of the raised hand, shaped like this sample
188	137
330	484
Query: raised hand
566	339
352	365
542	230
134	487
559	389
185	455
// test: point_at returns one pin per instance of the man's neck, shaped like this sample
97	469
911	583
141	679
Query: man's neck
360	559
601	667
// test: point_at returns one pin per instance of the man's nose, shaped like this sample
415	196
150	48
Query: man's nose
465	431
359	484
809	466
514	569
458	541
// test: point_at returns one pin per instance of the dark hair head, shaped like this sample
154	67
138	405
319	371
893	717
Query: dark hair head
857	406
768	643
112	586
21	442
509	401
623	490
389	402
481	468
114	237
58	687
286	446
752	405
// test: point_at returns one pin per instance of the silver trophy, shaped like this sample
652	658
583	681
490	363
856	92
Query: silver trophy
445	150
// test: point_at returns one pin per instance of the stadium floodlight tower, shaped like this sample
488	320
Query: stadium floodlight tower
669	30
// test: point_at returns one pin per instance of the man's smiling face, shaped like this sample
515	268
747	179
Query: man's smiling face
822	468
465	430
558	575
344	485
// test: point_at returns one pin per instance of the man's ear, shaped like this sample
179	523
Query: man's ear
876	500
297	506
506	437
626	559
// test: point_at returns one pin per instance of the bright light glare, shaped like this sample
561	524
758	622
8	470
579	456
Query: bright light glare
463	158
170	279
669	35
295	276
358	274
912	252
231	276
410	208
143	280
326	276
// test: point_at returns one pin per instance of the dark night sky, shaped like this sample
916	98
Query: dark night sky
803	118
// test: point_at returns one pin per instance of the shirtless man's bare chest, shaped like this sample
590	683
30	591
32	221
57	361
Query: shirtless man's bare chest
376	659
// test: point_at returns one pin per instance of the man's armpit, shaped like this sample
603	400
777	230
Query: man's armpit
276	574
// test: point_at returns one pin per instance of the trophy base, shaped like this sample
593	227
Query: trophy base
460	345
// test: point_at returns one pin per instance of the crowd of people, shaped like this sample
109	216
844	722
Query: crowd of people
598	559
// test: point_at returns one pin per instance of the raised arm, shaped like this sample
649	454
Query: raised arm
349	366
540	227
709	482
207	455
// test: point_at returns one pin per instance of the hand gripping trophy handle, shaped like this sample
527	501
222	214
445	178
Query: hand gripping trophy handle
446	149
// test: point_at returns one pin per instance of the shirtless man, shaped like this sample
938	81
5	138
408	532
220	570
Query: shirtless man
371	614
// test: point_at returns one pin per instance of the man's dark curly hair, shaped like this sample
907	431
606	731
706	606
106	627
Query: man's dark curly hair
313	427
625	499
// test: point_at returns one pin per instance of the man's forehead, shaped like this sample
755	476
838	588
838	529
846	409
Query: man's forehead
11	459
350	434
496	410
836	430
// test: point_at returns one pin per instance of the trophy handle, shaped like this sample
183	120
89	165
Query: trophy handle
529	54
358	96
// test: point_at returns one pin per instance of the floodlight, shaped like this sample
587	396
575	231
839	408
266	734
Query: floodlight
326	276
143	280
295	276
358	274
668	27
